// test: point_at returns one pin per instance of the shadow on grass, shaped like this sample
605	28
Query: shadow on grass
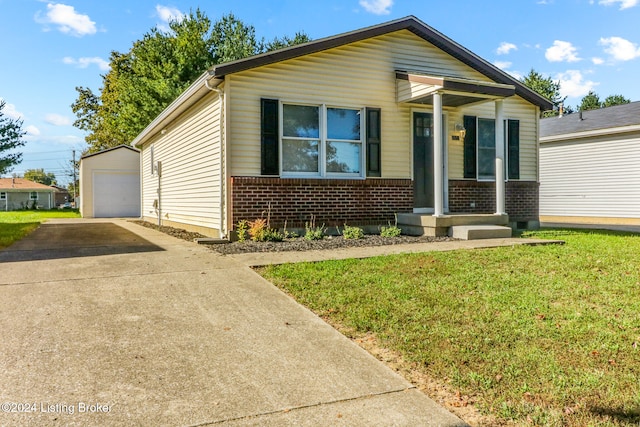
12	232
619	415
556	233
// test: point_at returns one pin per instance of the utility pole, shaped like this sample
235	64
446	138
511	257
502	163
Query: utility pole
75	184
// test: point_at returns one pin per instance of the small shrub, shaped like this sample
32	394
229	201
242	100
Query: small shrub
390	231
242	230
260	231
272	235
349	232
313	232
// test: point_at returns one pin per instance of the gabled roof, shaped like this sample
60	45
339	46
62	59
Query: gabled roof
21	184
610	120
128	147
216	74
410	23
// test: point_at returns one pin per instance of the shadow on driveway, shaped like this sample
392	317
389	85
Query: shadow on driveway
55	241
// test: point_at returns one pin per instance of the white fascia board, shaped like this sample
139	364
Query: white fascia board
186	99
589	133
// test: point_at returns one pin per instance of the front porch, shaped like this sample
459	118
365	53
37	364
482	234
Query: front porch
462	226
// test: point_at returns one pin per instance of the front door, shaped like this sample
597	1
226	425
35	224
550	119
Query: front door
423	161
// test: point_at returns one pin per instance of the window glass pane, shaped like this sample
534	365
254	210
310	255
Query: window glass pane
3	196
299	155
301	121
486	149
343	157
343	124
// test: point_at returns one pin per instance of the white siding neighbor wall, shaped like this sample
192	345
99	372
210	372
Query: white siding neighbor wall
595	178
188	189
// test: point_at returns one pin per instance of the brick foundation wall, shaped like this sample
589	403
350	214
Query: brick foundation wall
331	201
522	198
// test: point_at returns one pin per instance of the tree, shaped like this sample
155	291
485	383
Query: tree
39	175
157	69
545	87
590	101
11	134
612	100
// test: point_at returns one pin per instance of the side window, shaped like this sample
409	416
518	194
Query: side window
480	152
33	195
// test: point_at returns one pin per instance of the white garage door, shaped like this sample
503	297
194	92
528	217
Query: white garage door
116	194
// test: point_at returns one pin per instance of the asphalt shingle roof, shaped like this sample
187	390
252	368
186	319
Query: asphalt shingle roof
603	118
17	184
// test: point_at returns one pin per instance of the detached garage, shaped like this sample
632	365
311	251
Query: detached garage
590	167
110	183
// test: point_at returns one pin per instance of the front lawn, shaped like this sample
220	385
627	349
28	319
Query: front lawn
14	225
540	335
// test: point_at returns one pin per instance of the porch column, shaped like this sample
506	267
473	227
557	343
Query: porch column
438	159
500	187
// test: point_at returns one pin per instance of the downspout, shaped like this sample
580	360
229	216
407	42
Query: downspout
220	92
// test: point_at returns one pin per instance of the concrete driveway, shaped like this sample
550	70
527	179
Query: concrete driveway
123	325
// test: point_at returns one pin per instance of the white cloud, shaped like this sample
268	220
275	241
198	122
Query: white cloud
57	120
166	13
10	111
67	20
597	61
505	48
573	84
32	130
86	61
561	51
377	7
620	49
624	4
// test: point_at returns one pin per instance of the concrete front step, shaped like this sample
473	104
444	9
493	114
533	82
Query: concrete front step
475	232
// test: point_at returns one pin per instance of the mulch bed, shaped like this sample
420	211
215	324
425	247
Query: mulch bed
298	243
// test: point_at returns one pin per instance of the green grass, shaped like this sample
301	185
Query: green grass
540	335
14	225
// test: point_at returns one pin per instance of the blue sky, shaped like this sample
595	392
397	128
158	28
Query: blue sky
48	47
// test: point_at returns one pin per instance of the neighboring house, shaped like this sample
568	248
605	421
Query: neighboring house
61	195
110	183
20	193
342	129
590	166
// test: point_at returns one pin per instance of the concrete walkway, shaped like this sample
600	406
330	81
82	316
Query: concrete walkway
111	323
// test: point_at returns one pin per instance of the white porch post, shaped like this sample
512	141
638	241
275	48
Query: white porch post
438	156
500	187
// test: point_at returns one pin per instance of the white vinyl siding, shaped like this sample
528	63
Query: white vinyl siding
358	74
591	177
189	152
515	108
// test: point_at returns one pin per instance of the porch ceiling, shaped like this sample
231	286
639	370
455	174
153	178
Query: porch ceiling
456	92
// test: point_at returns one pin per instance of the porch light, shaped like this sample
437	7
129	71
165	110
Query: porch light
459	128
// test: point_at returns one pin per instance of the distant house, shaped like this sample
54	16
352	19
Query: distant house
20	193
343	129
61	195
590	166
110	183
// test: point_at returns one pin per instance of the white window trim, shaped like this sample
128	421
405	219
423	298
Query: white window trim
31	198
3	195
506	150
322	141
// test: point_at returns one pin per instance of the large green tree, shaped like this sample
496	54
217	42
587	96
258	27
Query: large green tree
546	87
591	101
612	100
39	175
11	134
160	66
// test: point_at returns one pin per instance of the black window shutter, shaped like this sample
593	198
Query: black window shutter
470	147
374	166
269	137
513	145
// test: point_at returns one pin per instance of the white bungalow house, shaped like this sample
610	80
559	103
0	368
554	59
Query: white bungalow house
343	128
589	167
20	193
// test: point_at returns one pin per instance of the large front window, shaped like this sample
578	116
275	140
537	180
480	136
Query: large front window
318	140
